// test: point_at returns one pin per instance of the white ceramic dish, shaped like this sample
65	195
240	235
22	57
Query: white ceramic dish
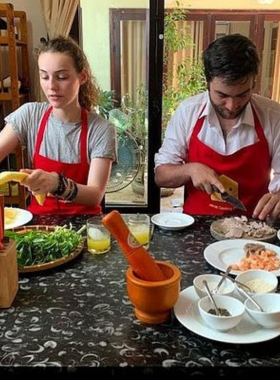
22	217
172	221
257	277
227	287
223	253
246	332
270	303
233	306
218	231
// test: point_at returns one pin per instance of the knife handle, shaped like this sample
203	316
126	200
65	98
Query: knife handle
215	189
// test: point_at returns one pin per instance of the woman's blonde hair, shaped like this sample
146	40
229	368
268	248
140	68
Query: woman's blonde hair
88	93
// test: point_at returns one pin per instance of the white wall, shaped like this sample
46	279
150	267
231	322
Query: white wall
95	26
95	30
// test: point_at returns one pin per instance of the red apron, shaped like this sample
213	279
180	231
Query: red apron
249	167
78	172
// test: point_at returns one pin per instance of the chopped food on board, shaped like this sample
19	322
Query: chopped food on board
238	226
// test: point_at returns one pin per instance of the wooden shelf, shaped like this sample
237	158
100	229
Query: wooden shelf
14	63
7	96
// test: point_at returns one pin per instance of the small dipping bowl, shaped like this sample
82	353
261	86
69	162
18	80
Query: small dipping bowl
270	317
222	322
227	287
153	300
258	280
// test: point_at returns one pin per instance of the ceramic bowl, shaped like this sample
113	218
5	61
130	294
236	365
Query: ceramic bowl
270	303
259	281
227	287
153	300
221	322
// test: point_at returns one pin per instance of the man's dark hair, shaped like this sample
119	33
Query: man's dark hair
231	58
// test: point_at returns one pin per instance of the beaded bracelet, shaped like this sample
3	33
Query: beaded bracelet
73	191
62	186
67	188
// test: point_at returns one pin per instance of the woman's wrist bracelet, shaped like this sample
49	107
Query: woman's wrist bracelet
67	189
62	185
72	194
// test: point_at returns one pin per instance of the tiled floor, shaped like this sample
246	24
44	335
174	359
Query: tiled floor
174	202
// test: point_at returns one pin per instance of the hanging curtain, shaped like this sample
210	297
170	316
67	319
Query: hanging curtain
58	16
276	75
133	57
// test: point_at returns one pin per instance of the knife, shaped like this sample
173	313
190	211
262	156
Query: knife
236	203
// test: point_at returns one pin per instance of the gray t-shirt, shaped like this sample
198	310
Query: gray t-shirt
61	141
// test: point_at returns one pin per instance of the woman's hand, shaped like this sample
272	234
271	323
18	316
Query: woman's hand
268	205
40	181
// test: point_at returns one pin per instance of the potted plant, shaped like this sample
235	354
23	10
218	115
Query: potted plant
188	74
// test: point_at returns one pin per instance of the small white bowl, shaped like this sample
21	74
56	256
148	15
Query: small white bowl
259	280
220	322
270	318
227	287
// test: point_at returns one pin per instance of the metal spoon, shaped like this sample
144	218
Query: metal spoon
215	290
237	282
247	295
211	297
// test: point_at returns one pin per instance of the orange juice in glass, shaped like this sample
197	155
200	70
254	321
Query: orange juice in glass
139	226
98	237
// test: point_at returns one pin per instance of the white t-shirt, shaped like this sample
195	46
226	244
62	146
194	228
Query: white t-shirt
174	149
61	141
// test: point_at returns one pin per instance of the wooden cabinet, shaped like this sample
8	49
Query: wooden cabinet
14	87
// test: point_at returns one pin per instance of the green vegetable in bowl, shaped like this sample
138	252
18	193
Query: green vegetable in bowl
41	246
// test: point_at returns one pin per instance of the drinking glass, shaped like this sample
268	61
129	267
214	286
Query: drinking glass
139	226
98	237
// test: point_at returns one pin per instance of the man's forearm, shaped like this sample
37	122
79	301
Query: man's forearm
169	175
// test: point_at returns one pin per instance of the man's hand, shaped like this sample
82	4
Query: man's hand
268	205
204	177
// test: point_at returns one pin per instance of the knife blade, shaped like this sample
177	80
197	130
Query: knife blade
236	203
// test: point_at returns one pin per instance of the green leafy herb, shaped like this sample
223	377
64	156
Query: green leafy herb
41	246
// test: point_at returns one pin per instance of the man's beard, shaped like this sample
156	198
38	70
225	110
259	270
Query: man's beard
225	113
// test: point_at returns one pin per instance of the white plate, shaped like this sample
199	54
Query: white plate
22	217
247	331
172	221
226	252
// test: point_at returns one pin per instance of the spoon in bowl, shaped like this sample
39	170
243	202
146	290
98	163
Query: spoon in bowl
217	311
215	290
243	291
236	282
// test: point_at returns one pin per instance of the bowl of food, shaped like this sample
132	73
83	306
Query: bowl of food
270	316
231	312
259	281
227	287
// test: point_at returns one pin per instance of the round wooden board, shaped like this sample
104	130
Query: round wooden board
218	233
50	264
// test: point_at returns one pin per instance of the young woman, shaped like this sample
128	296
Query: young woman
70	148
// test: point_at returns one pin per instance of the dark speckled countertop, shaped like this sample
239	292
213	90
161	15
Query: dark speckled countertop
77	317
